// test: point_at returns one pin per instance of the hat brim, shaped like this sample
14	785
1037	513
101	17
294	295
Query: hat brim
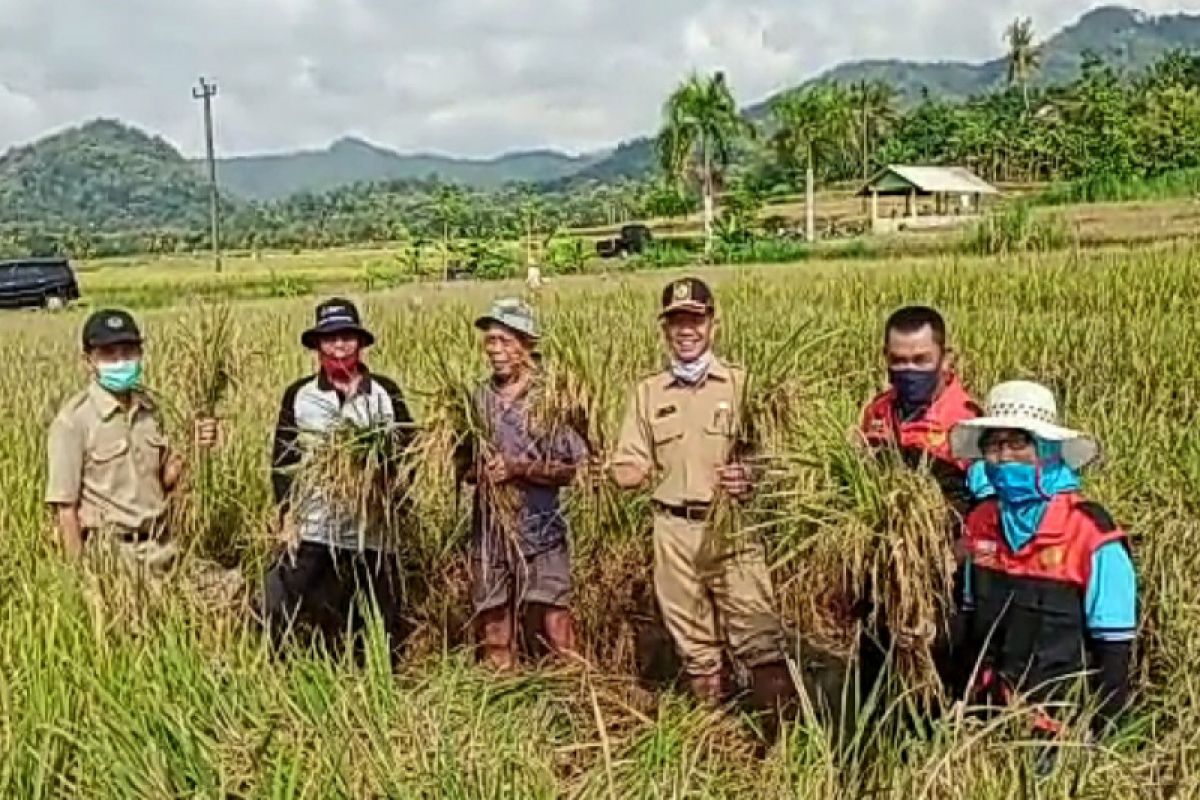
1078	449
686	307
116	337
487	321
311	338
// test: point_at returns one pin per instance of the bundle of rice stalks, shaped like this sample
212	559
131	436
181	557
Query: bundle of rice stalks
765	423
206	369
577	392
621	631
361	474
456	440
872	545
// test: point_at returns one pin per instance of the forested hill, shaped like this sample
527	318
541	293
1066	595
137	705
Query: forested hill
106	176
351	160
1127	40
103	175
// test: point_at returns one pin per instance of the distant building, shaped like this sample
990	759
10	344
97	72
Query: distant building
956	192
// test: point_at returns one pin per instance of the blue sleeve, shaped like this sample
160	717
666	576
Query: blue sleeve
1111	601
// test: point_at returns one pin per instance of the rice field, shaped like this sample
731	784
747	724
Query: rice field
174	695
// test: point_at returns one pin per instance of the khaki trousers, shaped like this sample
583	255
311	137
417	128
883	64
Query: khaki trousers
711	600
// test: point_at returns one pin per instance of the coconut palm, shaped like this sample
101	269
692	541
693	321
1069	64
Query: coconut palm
450	210
701	123
811	124
875	112
1024	55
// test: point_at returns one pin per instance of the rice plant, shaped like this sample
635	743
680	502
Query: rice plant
166	695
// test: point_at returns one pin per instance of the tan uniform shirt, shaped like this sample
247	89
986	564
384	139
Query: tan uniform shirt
681	435
107	461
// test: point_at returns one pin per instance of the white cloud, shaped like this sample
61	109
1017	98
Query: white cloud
462	76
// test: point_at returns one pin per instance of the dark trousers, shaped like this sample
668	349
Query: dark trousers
322	590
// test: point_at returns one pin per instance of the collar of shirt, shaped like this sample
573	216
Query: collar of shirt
107	405
719	371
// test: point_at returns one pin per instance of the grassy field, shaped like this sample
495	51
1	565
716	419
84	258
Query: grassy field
104	695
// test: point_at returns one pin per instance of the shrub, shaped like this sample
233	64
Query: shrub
1015	229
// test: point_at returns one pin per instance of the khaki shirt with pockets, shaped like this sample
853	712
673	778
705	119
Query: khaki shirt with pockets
108	461
681	435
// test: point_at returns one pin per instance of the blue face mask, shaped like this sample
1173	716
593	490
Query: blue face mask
1015	483
120	377
1025	491
915	389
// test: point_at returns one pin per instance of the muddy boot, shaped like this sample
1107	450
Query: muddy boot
772	698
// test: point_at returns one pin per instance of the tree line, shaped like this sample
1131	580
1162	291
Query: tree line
1102	127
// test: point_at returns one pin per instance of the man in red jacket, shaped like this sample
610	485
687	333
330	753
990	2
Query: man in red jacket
925	399
914	417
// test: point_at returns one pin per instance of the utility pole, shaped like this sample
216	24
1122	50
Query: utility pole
206	92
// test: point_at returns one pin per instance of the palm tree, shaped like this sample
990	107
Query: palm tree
700	125
450	209
875	112
811	124
1024	55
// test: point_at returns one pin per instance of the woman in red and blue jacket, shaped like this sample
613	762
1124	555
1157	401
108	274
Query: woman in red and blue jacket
1051	590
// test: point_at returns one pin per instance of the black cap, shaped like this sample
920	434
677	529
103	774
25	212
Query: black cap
110	326
336	315
688	294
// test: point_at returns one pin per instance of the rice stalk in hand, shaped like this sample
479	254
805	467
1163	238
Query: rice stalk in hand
576	392
876	550
207	368
765	420
361	474
454	446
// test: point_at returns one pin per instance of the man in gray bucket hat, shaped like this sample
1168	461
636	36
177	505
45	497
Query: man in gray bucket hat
520	563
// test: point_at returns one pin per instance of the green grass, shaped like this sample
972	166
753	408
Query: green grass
1108	189
170	697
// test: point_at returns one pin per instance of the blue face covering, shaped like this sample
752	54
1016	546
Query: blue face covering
915	389
1025	491
120	377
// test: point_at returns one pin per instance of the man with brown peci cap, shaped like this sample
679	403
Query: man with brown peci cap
110	466
679	436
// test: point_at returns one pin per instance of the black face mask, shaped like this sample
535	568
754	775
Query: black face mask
915	389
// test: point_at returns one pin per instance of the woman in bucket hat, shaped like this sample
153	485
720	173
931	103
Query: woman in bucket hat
1051	591
338	563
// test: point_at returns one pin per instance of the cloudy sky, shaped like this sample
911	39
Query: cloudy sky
470	77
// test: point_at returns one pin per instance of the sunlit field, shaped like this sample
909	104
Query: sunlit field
104	693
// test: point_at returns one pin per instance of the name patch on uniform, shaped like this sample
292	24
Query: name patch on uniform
664	411
1052	557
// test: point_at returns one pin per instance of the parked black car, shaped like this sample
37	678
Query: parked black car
632	242
37	282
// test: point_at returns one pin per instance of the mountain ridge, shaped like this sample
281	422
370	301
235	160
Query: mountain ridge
352	159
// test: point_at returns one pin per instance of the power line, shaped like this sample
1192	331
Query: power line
205	92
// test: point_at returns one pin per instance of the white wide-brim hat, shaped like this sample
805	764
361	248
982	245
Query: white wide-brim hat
1029	407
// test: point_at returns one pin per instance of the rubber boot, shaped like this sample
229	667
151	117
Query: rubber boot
772	697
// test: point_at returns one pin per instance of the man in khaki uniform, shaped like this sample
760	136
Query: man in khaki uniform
679	432
110	468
